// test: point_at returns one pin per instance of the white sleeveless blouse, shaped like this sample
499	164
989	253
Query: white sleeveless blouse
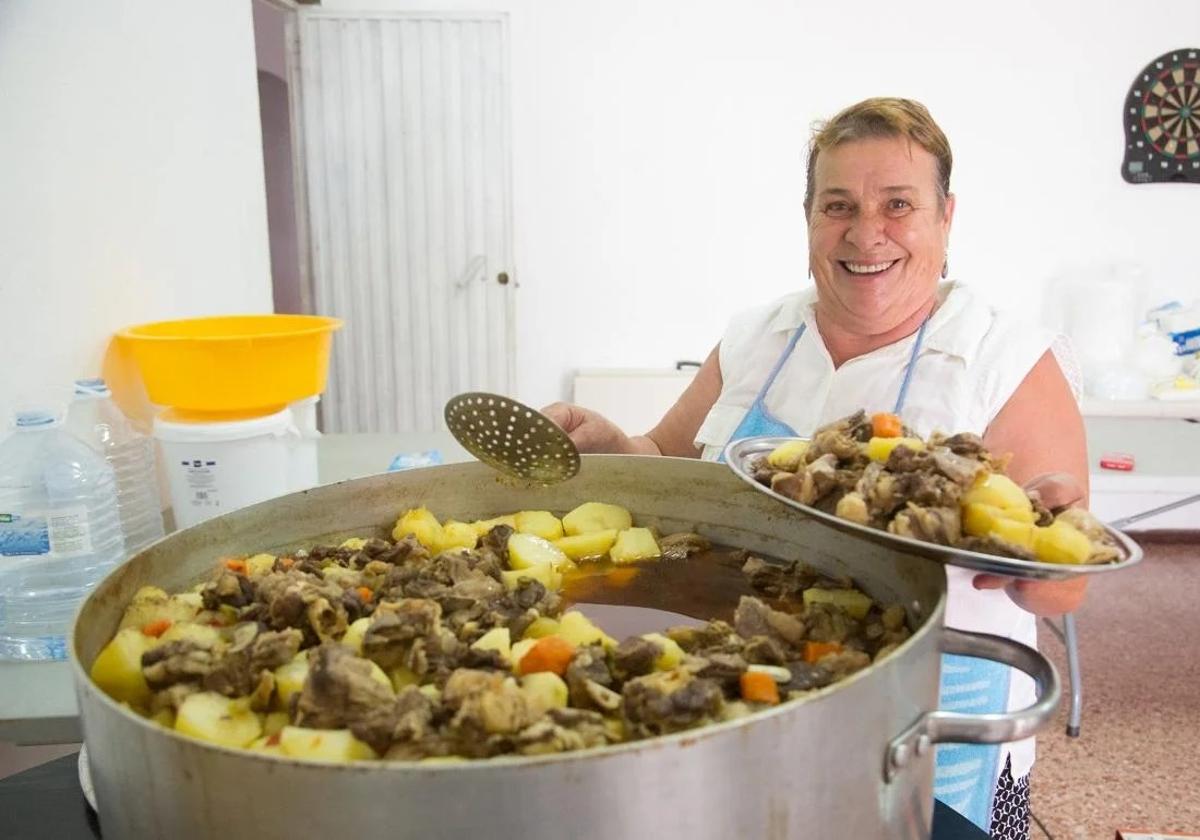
971	361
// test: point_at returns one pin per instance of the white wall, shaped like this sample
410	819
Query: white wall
659	163
131	176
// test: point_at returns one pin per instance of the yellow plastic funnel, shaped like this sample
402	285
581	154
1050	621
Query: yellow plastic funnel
232	363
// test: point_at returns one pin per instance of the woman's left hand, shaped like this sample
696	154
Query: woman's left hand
1040	597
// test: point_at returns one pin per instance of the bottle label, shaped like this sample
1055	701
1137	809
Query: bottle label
63	532
70	534
24	535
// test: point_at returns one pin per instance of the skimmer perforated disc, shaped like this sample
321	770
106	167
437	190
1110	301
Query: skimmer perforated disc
512	437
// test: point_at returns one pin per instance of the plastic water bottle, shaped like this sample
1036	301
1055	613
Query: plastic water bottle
59	533
95	419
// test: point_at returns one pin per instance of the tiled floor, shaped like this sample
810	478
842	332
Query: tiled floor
1137	761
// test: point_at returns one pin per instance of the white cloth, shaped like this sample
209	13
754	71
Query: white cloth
972	360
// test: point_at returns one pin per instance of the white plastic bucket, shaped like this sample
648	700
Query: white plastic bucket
304	457
218	467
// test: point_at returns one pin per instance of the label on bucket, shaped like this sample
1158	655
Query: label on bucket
201	478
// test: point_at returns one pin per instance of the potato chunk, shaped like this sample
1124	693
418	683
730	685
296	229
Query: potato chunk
1061	542
289	679
578	629
151	604
540	523
259	565
457	535
544	690
880	448
527	550
353	638
539	627
519	650
999	491
672	653
498	639
596	516
586	546
423	525
543	573
218	719
855	603
788	456
337	745
634	544
118	667
482	526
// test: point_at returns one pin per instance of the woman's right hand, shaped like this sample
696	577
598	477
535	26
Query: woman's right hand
588	430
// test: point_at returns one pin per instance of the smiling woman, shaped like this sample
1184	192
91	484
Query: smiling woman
881	331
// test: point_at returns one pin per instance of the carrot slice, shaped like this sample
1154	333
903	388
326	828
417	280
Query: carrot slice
157	627
286	562
551	653
235	565
365	594
758	687
621	577
886	425
816	650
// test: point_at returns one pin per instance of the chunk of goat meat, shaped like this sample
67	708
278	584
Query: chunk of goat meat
879	490
716	636
396	625
342	691
764	650
855	425
669	701
588	666
961	470
754	618
635	657
240	670
853	507
176	662
486	703
837	443
936	525
683	545
230	589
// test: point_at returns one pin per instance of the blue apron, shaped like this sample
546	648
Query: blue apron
965	774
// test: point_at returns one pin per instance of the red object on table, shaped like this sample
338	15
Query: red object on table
1116	461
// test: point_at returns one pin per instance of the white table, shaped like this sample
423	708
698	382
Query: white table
37	699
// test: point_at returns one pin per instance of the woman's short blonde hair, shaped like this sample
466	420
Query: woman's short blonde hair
882	116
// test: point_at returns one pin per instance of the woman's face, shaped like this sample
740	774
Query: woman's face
876	232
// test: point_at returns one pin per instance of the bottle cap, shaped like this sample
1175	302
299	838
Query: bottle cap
91	388
35	418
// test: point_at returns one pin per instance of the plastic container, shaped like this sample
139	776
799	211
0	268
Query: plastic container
303	473
95	419
215	466
60	533
251	364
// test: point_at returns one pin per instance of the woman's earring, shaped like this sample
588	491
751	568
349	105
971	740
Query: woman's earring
946	265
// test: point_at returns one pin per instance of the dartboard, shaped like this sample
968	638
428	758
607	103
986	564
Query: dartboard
1162	121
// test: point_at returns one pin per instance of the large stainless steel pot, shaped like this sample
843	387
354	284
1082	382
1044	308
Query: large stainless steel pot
852	761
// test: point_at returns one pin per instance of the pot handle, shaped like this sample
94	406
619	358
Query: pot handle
942	727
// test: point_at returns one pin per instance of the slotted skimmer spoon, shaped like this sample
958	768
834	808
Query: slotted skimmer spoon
512	437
